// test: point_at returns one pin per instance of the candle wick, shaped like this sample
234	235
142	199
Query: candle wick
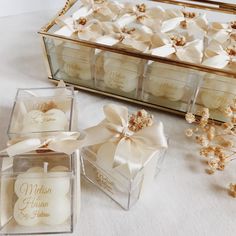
45	167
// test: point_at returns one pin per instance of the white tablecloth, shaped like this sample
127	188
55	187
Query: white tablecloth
184	200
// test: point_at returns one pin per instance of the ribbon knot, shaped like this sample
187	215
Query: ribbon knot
133	149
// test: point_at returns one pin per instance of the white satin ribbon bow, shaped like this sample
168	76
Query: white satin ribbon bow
193	22
132	148
220	57
65	142
177	45
132	36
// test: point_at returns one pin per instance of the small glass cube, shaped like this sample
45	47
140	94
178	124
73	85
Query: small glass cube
116	182
169	86
118	74
71	62
216	93
39	193
42	112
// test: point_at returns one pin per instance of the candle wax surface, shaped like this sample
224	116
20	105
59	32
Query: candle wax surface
38	121
43	198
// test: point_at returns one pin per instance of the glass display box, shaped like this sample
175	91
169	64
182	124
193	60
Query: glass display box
193	43
41	112
39	193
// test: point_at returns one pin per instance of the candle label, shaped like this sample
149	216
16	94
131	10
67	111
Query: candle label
33	201
43	198
104	182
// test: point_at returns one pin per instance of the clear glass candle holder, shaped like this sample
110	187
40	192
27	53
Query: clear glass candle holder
115	183
39	193
71	62
42	112
216	93
169	86
118	74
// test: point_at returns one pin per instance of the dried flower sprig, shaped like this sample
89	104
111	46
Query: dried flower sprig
217	141
140	120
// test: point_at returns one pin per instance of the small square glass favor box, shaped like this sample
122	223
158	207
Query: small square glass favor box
39	193
123	153
115	182
40	112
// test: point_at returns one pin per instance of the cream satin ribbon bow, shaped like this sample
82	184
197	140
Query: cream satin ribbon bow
177	45
219	56
132	148
65	142
133	35
223	32
193	22
143	14
85	27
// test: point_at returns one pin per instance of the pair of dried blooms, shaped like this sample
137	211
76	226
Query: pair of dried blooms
217	141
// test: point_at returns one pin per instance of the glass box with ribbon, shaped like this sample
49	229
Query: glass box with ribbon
123	154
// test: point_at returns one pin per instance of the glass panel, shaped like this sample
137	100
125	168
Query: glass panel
37	194
216	93
118	74
40	112
170	86
115	182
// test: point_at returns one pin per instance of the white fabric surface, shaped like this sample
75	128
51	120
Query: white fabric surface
184	200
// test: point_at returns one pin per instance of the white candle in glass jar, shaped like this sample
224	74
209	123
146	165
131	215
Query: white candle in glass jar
43	197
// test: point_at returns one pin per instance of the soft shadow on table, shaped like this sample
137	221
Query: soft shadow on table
218	189
5	113
193	162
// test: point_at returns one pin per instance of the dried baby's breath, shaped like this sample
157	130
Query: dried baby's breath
178	40
190	118
189	14
141	7
217	141
140	120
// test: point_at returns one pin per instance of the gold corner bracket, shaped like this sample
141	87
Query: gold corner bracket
67	6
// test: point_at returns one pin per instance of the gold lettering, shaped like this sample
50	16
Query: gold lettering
104	182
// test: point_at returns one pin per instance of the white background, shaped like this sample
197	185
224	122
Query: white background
14	7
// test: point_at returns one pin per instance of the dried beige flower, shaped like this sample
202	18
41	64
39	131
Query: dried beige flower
228	111
232	190
190	118
202	140
140	120
189	132
217	140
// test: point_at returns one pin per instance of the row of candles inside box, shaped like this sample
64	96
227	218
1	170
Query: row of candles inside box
165	85
40	191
